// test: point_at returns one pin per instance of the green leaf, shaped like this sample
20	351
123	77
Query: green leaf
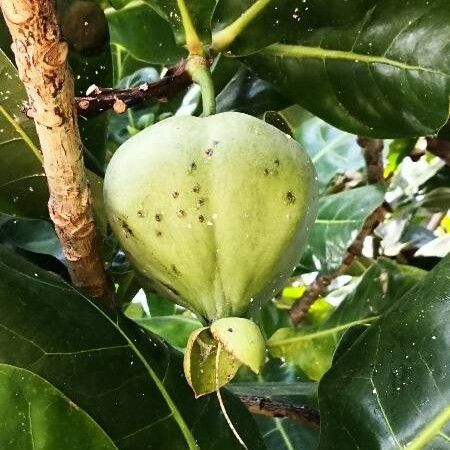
154	43
174	329
391	388
312	347
285	434
130	382
187	15
249	94
437	199
159	306
34	415
340	218
398	149
374	77
332	151
33	235
206	366
277	119
23	188
245	26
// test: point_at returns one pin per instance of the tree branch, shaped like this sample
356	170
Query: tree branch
373	155
302	414
439	147
174	81
41	58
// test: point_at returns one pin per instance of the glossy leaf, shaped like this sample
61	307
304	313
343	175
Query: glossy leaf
285	434
244	26
33	235
34	415
375	77
127	380
174	329
332	151
249	94
339	220
192	14
154	43
23	189
391	388
312	347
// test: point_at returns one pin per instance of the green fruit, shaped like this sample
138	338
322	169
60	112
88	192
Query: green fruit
215	210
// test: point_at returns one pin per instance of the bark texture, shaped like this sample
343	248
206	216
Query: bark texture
41	58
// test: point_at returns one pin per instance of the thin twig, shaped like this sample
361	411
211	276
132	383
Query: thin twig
305	415
301	306
373	155
174	81
41	58
439	147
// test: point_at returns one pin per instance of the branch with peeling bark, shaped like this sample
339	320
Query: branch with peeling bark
301	414
175	80
41	58
100	99
373	156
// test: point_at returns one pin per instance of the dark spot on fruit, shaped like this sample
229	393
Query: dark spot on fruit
196	188
276	163
175	194
201	219
181	213
266	171
209	152
200	202
192	167
158	217
230	330
158	233
290	198
174	269
140	213
126	229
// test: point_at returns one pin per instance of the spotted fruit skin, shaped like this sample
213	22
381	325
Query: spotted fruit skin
215	210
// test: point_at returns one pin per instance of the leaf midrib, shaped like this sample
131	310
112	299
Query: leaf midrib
304	52
159	384
21	132
322	333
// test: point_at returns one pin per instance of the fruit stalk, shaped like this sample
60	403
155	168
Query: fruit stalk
198	68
